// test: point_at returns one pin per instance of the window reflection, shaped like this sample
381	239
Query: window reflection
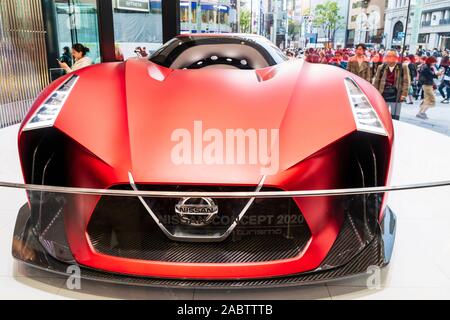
213	16
137	27
77	23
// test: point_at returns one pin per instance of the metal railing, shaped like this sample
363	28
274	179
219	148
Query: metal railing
225	195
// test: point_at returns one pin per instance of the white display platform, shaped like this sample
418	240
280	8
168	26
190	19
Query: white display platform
420	266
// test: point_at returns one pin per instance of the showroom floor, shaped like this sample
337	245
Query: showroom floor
420	267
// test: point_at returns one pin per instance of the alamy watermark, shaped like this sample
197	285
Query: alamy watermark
238	146
374	277
73	282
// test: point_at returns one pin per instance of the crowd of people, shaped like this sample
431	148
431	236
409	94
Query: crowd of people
400	77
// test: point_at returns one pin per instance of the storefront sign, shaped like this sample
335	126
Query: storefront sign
134	5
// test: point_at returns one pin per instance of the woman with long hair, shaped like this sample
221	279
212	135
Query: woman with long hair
79	53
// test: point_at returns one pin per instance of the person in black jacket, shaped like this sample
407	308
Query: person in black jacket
66	56
445	84
420	65
427	76
410	60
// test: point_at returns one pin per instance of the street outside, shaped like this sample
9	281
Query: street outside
438	117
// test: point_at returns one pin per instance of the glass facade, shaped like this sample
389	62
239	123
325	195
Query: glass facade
214	16
137	27
77	22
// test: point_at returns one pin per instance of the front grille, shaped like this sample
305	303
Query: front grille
272	229
371	255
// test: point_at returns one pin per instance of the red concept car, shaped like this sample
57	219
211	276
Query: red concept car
207	114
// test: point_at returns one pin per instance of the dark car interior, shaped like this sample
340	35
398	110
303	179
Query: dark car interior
218	52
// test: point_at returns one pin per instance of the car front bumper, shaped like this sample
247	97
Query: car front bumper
377	253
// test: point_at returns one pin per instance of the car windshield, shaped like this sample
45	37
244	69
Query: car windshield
219	52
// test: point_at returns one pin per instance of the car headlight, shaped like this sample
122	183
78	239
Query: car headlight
46	114
366	117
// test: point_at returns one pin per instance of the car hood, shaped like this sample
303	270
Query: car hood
140	116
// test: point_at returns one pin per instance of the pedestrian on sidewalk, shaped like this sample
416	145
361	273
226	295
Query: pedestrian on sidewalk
392	81
420	66
411	63
359	64
445	84
426	77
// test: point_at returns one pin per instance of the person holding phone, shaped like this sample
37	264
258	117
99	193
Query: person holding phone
79	53
66	57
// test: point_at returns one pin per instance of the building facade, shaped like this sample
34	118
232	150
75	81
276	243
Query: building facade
434	30
396	23
271	20
307	36
428	25
365	22
297	10
209	16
